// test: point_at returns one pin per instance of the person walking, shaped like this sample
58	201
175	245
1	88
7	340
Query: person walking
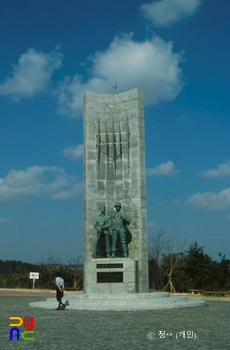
59	291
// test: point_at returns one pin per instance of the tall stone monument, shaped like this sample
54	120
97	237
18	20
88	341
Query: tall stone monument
114	171
115	232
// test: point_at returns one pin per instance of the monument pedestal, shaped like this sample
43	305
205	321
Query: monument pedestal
111	276
120	302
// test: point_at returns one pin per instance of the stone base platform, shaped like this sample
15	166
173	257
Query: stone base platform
110	276
120	302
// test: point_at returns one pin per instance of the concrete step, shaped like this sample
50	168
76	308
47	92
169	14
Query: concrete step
121	302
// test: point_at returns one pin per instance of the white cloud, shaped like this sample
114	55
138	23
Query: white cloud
151	225
175	202
73	152
32	74
4	221
150	65
165	169
20	185
72	192
210	201
223	170
165	13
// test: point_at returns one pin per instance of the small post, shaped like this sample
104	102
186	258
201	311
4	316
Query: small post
34	276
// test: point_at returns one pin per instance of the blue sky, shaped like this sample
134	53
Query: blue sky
177	51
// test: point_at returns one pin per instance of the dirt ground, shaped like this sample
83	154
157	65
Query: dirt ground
203	297
27	292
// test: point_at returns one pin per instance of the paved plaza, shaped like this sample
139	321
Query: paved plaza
101	330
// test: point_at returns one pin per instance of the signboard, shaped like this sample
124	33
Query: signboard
34	275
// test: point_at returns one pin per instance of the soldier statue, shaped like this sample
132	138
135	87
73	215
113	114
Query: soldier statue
103	222
119	230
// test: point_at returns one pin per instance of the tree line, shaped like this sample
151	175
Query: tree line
169	265
185	269
15	274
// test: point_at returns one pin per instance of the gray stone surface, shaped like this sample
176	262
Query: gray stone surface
96	330
116	118
129	270
119	301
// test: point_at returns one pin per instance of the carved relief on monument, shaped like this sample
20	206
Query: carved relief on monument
112	142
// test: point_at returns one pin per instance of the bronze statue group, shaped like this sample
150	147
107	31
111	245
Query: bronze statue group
113	235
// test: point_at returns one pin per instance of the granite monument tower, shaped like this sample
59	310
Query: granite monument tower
114	172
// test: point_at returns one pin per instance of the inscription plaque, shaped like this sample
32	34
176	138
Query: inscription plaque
109	277
109	266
